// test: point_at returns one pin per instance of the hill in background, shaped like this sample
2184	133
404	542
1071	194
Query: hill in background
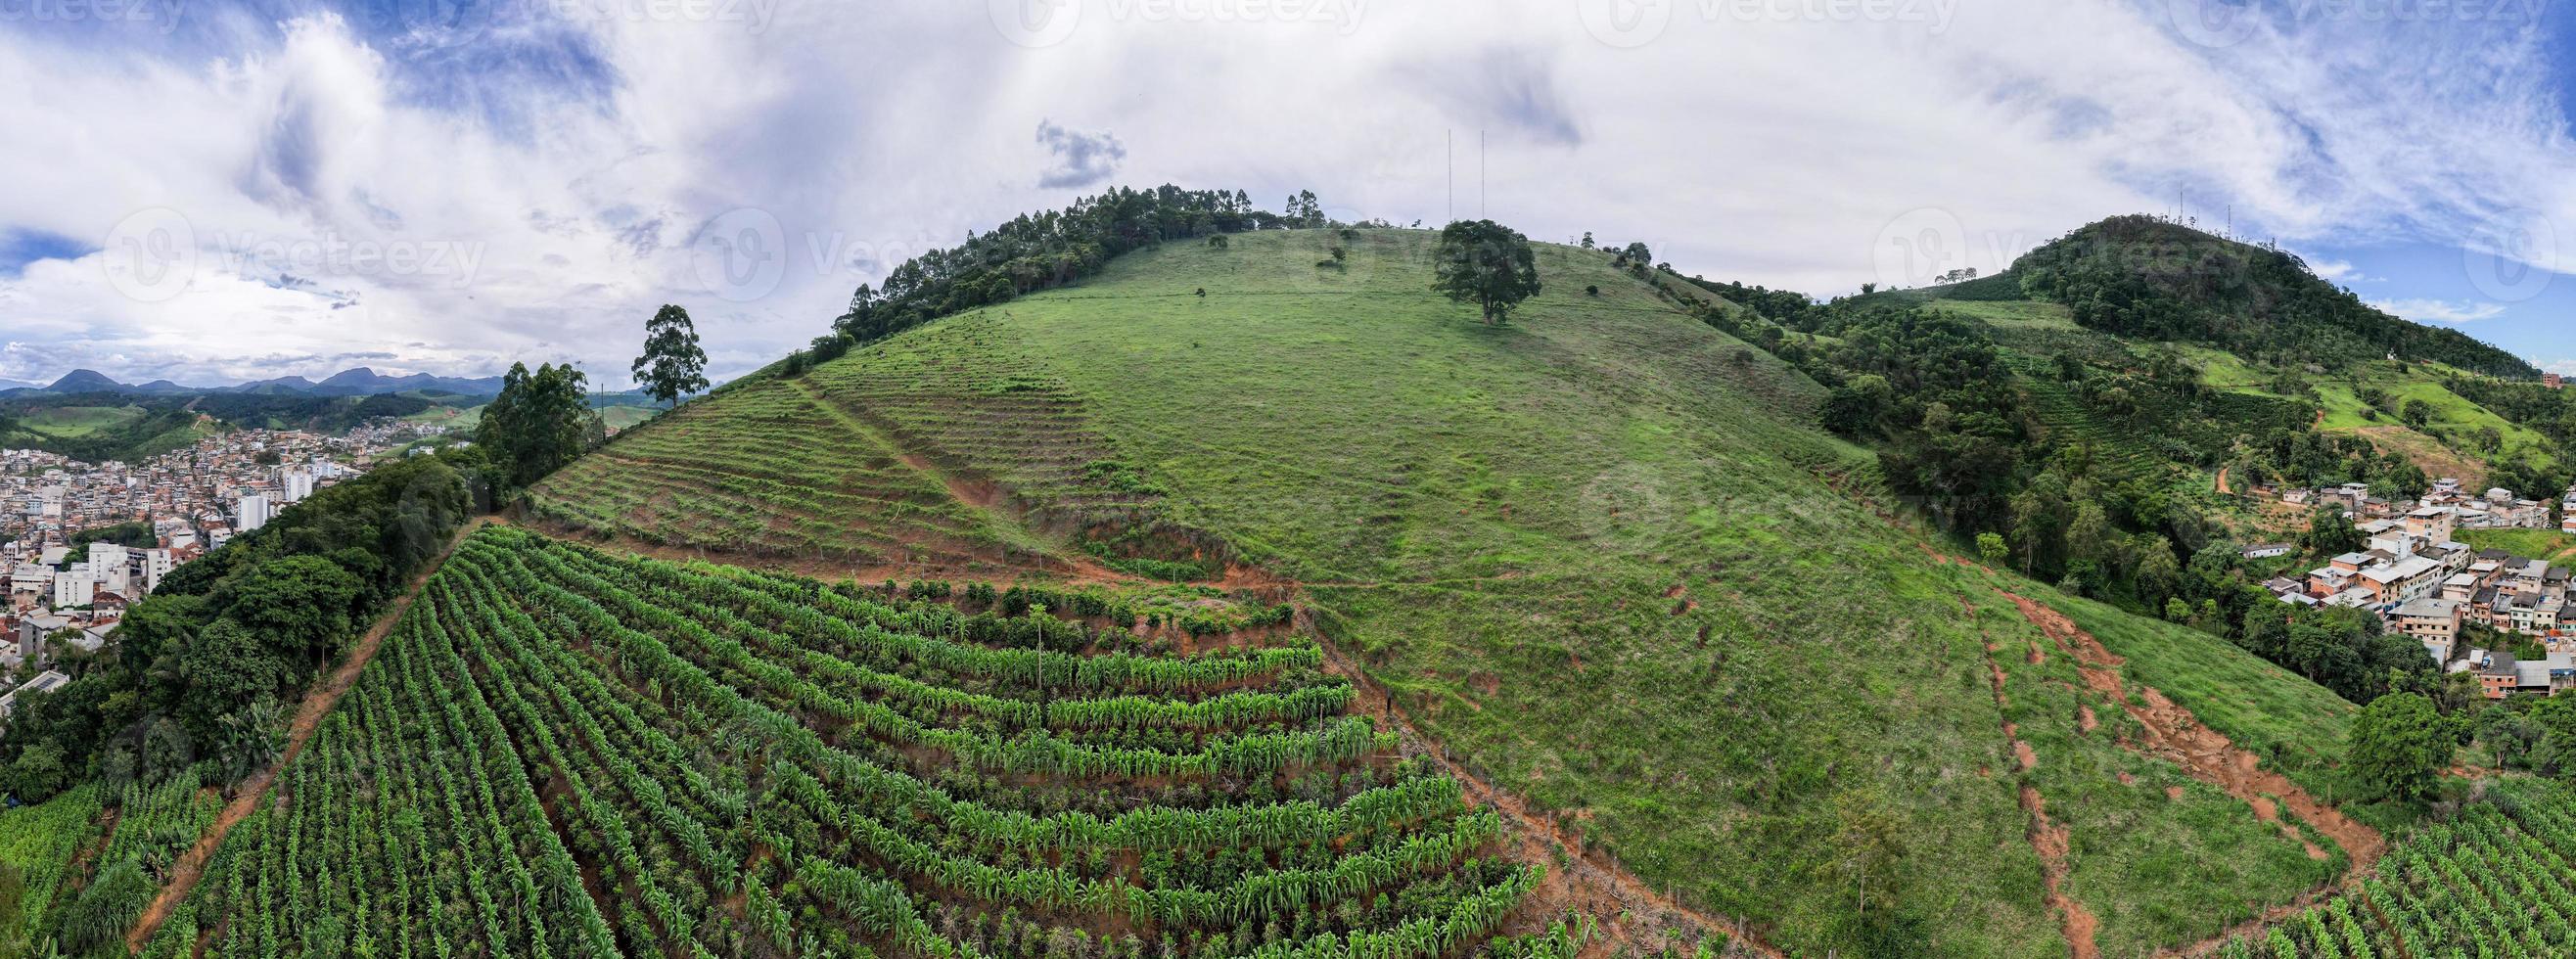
1601	557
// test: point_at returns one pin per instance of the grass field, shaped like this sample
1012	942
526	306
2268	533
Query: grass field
1593	552
2526	543
73	421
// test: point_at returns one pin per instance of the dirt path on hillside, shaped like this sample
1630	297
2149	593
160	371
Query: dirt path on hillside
2051	841
2222	483
1627	907
318	703
2172	733
984	497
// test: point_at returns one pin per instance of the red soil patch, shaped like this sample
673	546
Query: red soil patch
2172	733
2049	839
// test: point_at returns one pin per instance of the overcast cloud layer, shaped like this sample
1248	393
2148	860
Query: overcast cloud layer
213	192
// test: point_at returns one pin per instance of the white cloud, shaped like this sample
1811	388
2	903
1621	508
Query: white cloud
1078	159
2566	367
2341	272
2440	311
1793	152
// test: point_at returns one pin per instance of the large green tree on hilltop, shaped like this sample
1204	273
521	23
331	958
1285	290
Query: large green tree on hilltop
672	365
540	421
1487	264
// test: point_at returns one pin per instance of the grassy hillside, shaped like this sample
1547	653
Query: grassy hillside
1597	554
76	421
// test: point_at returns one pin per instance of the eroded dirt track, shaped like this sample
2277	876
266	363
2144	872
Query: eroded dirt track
2170	732
2048	839
1634	916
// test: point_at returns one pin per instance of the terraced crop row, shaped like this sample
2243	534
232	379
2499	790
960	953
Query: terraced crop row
767	472
2063	417
2500	881
957	394
562	753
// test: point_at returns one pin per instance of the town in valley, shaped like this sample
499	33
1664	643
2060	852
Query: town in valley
80	541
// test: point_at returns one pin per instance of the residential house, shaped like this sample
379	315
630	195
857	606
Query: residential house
2433	622
45	682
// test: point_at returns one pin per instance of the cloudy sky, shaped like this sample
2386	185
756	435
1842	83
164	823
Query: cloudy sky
217	191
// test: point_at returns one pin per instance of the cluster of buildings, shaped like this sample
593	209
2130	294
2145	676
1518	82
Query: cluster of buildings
2495	509
58	598
2427	585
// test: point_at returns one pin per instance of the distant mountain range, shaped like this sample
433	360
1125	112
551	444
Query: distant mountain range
353	382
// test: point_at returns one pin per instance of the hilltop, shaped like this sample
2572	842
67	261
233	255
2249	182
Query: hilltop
357	381
2142	277
1601	558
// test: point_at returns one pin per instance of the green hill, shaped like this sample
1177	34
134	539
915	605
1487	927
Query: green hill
1600	556
2141	277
